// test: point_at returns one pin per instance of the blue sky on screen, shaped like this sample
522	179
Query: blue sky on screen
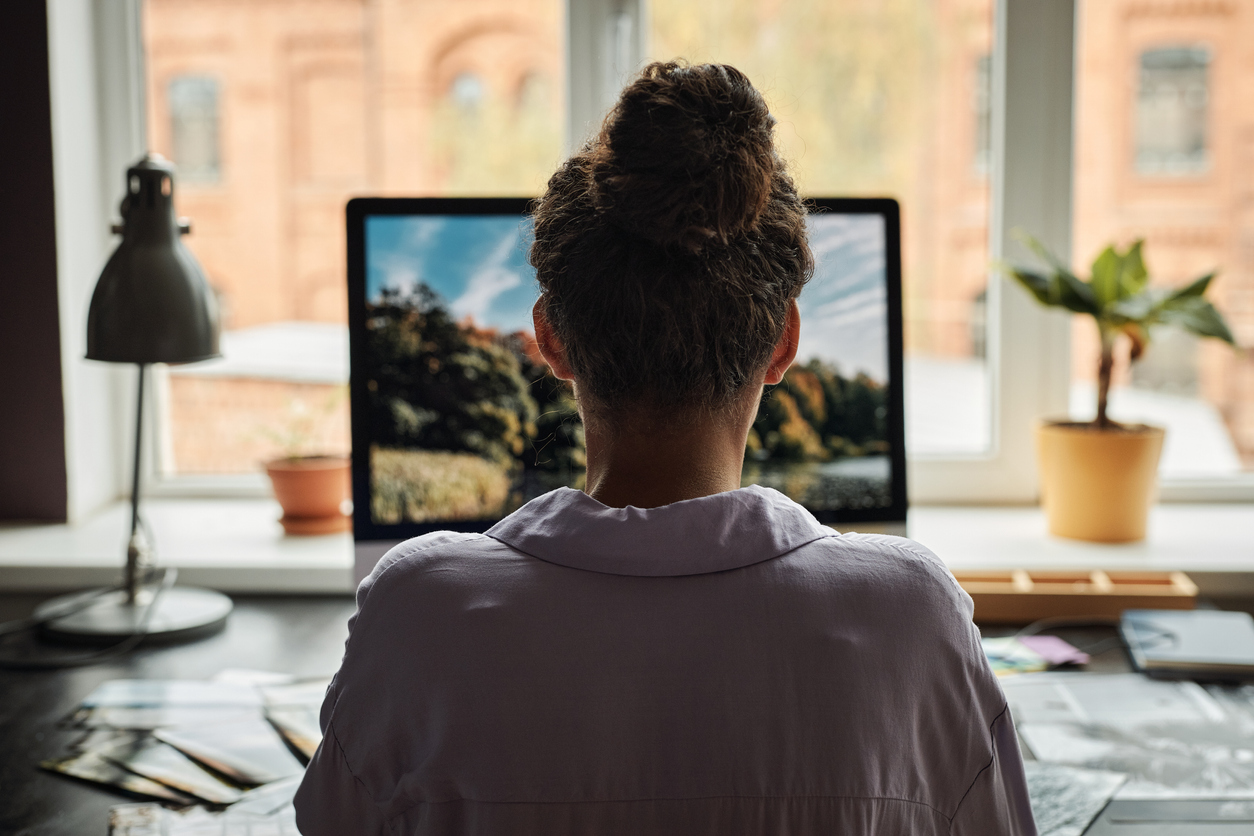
844	308
478	265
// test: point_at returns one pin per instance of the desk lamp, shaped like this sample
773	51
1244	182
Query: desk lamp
151	305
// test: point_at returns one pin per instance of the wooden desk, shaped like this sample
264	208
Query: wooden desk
303	636
298	635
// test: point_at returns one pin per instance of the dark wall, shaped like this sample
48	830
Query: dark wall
32	418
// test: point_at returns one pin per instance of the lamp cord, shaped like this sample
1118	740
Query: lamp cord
22	625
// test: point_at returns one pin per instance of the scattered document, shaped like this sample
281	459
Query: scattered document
155	820
299	725
1065	800
156	761
238	741
1007	656
1172	739
91	766
164	693
248	751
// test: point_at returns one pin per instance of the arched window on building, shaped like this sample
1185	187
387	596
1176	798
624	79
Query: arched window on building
194	129
534	93
1171	111
468	92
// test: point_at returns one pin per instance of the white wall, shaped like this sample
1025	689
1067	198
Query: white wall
93	57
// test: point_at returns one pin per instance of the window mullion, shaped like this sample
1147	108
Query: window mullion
1033	94
605	43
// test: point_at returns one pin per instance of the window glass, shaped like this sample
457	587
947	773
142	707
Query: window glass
275	114
982	105
193	105
1164	153
883	99
1171	111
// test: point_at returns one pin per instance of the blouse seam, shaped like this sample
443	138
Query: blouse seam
330	732
992	759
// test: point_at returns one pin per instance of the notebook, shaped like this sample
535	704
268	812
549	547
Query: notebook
1195	644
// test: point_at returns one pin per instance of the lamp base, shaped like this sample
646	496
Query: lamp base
179	614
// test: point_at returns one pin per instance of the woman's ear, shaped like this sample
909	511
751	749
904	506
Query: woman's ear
786	348
551	348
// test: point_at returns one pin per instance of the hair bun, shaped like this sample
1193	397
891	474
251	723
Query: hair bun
686	157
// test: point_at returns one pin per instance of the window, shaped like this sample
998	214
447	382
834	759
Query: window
982	105
193	107
1181	182
1171	105
877	99
276	209
466	92
325	101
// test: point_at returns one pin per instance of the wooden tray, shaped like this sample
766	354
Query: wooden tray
1021	596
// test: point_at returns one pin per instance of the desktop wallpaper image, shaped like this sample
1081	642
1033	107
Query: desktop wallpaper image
467	423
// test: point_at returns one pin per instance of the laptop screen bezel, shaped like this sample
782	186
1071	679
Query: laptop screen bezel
359	210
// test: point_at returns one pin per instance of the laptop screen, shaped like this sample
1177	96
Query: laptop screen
457	421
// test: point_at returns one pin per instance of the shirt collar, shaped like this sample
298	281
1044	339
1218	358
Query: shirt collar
708	534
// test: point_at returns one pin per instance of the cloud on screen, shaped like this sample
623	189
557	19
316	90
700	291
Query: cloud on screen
476	264
491	279
844	309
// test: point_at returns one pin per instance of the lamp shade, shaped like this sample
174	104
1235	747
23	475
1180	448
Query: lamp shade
152	303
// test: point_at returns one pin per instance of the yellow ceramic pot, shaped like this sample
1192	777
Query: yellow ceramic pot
1098	484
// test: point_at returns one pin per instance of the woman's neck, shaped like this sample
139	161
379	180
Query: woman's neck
658	461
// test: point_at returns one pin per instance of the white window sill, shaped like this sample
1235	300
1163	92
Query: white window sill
1213	543
237	545
234	545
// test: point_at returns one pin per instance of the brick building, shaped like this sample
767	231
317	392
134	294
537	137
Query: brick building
278	111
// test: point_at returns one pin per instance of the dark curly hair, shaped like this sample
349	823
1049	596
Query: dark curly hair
669	248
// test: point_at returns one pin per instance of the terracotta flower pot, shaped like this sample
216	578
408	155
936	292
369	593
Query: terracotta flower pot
1098	484
312	491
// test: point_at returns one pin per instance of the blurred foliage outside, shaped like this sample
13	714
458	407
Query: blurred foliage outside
847	81
496	147
862	91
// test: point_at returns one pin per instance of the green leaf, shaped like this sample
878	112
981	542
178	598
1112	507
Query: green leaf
1197	287
1035	283
1073	294
1107	270
1042	252
1195	314
1134	276
1141	308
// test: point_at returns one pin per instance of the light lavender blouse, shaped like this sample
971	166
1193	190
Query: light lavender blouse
723	665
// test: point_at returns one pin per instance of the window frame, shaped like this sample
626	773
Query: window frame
96	58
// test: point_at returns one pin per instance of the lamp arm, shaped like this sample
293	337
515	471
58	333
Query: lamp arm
137	548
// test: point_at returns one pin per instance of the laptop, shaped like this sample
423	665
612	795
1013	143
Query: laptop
456	421
1190	644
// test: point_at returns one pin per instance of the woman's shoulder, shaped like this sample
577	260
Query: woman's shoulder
887	567
440	554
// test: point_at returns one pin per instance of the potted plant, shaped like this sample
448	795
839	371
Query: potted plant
313	488
1097	477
